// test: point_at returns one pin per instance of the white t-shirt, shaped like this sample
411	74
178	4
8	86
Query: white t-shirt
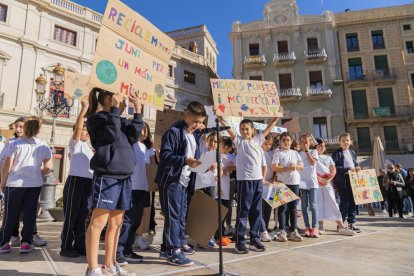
283	158
348	162
1	146
323	166
228	160
250	157
139	177
190	152
80	155
269	172
308	177
28	155
3	152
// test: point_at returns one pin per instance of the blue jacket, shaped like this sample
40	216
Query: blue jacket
340	177
173	155
113	137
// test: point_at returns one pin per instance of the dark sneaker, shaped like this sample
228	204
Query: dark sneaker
80	250
257	246
353	228
241	248
70	253
163	255
133	258
6	248
121	260
187	250
177	258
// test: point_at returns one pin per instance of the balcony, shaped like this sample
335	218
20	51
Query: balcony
380	114
355	81
396	146
290	94
284	59
385	76
255	61
314	93
314	56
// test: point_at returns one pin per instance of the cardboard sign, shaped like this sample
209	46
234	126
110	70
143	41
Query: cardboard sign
76	85
202	220
6	133
292	126
245	98
278	194
131	55
165	119
365	187
151	170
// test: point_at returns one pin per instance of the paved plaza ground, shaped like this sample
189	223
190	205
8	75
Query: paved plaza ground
385	247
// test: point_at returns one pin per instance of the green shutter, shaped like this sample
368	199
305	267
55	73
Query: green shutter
386	99
359	103
354	62
364	139
381	63
391	138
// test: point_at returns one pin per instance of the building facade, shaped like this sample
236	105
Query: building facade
377	57
35	35
298	53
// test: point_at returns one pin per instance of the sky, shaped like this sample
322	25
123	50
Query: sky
218	16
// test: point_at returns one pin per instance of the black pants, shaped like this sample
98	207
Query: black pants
152	215
292	211
226	203
395	198
266	212
76	196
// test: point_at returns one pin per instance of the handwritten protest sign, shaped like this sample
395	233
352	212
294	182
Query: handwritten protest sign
365	187
245	98
131	55
165	119
76	85
234	123
278	194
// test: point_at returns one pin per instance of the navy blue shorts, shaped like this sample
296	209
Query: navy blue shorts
111	193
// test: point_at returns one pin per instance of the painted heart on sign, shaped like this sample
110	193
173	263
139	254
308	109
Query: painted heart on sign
252	111
222	108
244	107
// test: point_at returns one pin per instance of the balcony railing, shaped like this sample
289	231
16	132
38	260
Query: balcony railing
255	60
290	94
388	75
378	46
390	145
376	113
76	9
363	77
318	92
284	58
315	55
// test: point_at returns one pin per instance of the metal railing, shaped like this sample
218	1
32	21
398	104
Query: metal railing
363	77
385	74
284	57
318	91
316	54
290	92
380	112
249	60
390	145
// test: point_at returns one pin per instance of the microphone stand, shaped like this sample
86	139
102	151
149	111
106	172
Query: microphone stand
218	192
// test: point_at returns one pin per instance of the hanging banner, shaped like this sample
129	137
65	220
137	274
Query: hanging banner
245	98
365	187
76	85
131	55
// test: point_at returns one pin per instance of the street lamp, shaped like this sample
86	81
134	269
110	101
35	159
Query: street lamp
55	104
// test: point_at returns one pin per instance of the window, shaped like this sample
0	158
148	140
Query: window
386	99
378	39
320	128
412	80
65	36
58	163
285	81
355	69
254	49
189	77
312	45
3	12
391	138
364	139
381	66
258	78
410	47
282	47
359	104
407	27
315	78
170	71
352	42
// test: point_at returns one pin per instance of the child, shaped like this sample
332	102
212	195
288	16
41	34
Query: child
140	198
77	190
113	163
309	186
22	176
327	207
229	166
394	183
179	153
346	160
250	166
287	163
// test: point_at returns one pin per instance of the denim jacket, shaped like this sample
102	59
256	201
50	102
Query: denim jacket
340	177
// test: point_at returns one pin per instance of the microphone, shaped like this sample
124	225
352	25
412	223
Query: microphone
211	129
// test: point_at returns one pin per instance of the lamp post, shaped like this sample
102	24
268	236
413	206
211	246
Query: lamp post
55	103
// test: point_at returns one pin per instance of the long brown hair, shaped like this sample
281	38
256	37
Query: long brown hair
32	126
96	97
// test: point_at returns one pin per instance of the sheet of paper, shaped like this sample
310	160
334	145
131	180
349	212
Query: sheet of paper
207	160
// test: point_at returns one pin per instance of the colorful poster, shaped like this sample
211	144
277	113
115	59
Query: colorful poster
131	55
365	187
245	98
278	194
76	85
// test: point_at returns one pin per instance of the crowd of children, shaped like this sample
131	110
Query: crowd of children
108	183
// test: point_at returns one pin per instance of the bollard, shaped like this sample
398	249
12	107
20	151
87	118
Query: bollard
47	196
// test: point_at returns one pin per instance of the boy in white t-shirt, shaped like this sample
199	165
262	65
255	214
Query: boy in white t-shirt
309	185
250	165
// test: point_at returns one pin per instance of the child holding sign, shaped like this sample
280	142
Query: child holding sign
250	166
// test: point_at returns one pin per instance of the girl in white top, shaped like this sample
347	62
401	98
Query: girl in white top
26	162
78	189
327	207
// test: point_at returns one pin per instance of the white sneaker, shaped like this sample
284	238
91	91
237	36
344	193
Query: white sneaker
98	272
229	231
118	271
38	241
14	241
141	243
346	232
282	236
264	237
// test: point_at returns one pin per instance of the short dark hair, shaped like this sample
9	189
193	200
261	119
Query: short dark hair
246	121
269	137
319	141
226	142
196	109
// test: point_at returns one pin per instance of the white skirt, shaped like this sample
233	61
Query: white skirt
328	209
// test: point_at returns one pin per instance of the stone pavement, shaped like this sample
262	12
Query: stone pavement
385	247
